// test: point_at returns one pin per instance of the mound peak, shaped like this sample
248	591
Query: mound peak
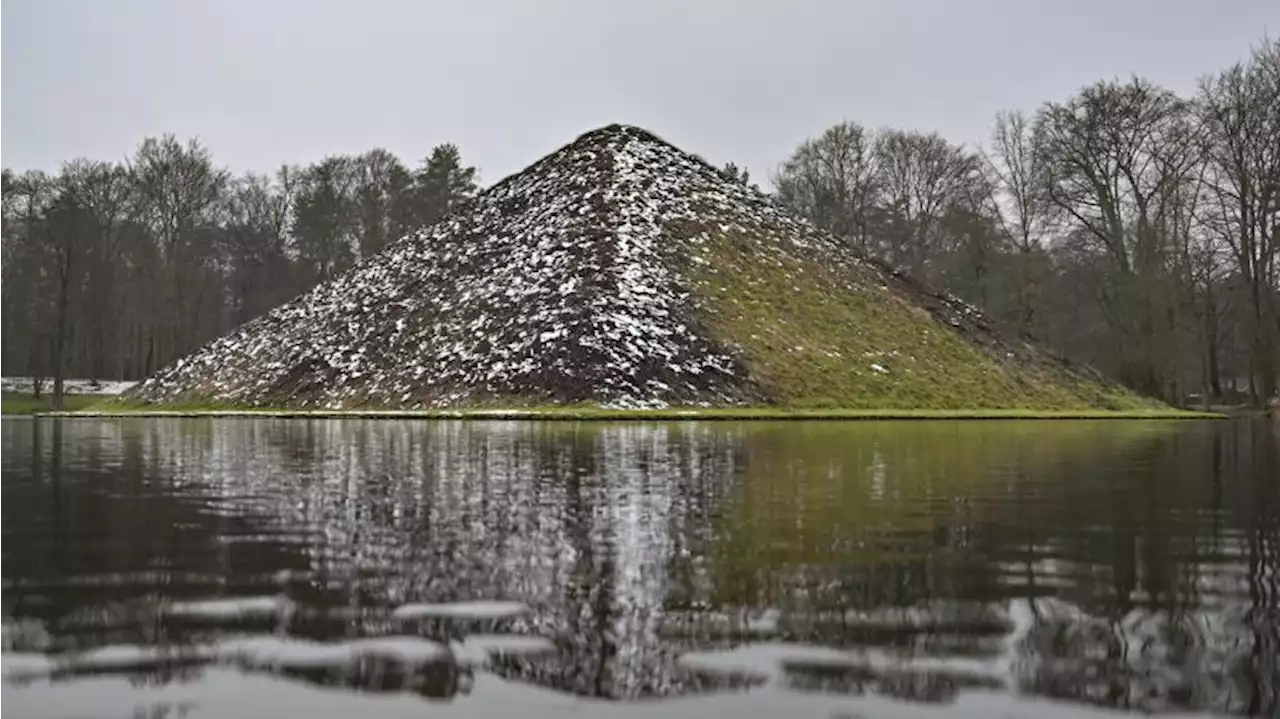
622	271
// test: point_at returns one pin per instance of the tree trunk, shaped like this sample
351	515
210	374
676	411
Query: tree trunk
4	339
36	367
1206	392
1211	340
1026	312
1132	314
1258	348
60	338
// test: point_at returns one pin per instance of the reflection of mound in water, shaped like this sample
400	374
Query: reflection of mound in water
487	514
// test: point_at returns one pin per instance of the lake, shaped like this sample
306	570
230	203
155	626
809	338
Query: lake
335	568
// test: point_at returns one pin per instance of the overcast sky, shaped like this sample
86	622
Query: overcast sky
265	82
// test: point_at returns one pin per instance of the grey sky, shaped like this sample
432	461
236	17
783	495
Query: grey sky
263	82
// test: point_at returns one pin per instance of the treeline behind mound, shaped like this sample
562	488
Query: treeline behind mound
622	272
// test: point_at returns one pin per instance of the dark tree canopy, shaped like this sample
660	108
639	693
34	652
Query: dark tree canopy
112	270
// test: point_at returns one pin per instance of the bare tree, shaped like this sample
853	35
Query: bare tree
121	269
381	181
12	248
1022	206
1240	109
922	176
1113	154
255	243
179	192
70	229
833	180
104	195
970	242
27	267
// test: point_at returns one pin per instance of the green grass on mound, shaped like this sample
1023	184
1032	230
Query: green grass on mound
815	337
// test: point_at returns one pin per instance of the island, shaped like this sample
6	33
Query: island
620	276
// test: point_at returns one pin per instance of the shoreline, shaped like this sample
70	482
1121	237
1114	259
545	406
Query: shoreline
661	415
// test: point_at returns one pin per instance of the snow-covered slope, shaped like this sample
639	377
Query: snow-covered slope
570	282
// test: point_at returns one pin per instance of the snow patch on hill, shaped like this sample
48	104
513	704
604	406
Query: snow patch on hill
555	285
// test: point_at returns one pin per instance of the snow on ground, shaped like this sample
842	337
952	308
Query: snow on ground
25	385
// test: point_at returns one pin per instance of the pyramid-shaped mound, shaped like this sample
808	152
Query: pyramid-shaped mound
624	272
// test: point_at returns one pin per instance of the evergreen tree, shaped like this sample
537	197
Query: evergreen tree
443	183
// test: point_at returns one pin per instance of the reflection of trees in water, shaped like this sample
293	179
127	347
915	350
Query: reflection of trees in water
1174	595
1151	659
95	531
1176	574
923	686
632	542
437	680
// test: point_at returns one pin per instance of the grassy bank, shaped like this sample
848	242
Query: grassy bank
22	403
815	336
115	409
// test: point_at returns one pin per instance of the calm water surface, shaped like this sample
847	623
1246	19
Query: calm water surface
204	568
